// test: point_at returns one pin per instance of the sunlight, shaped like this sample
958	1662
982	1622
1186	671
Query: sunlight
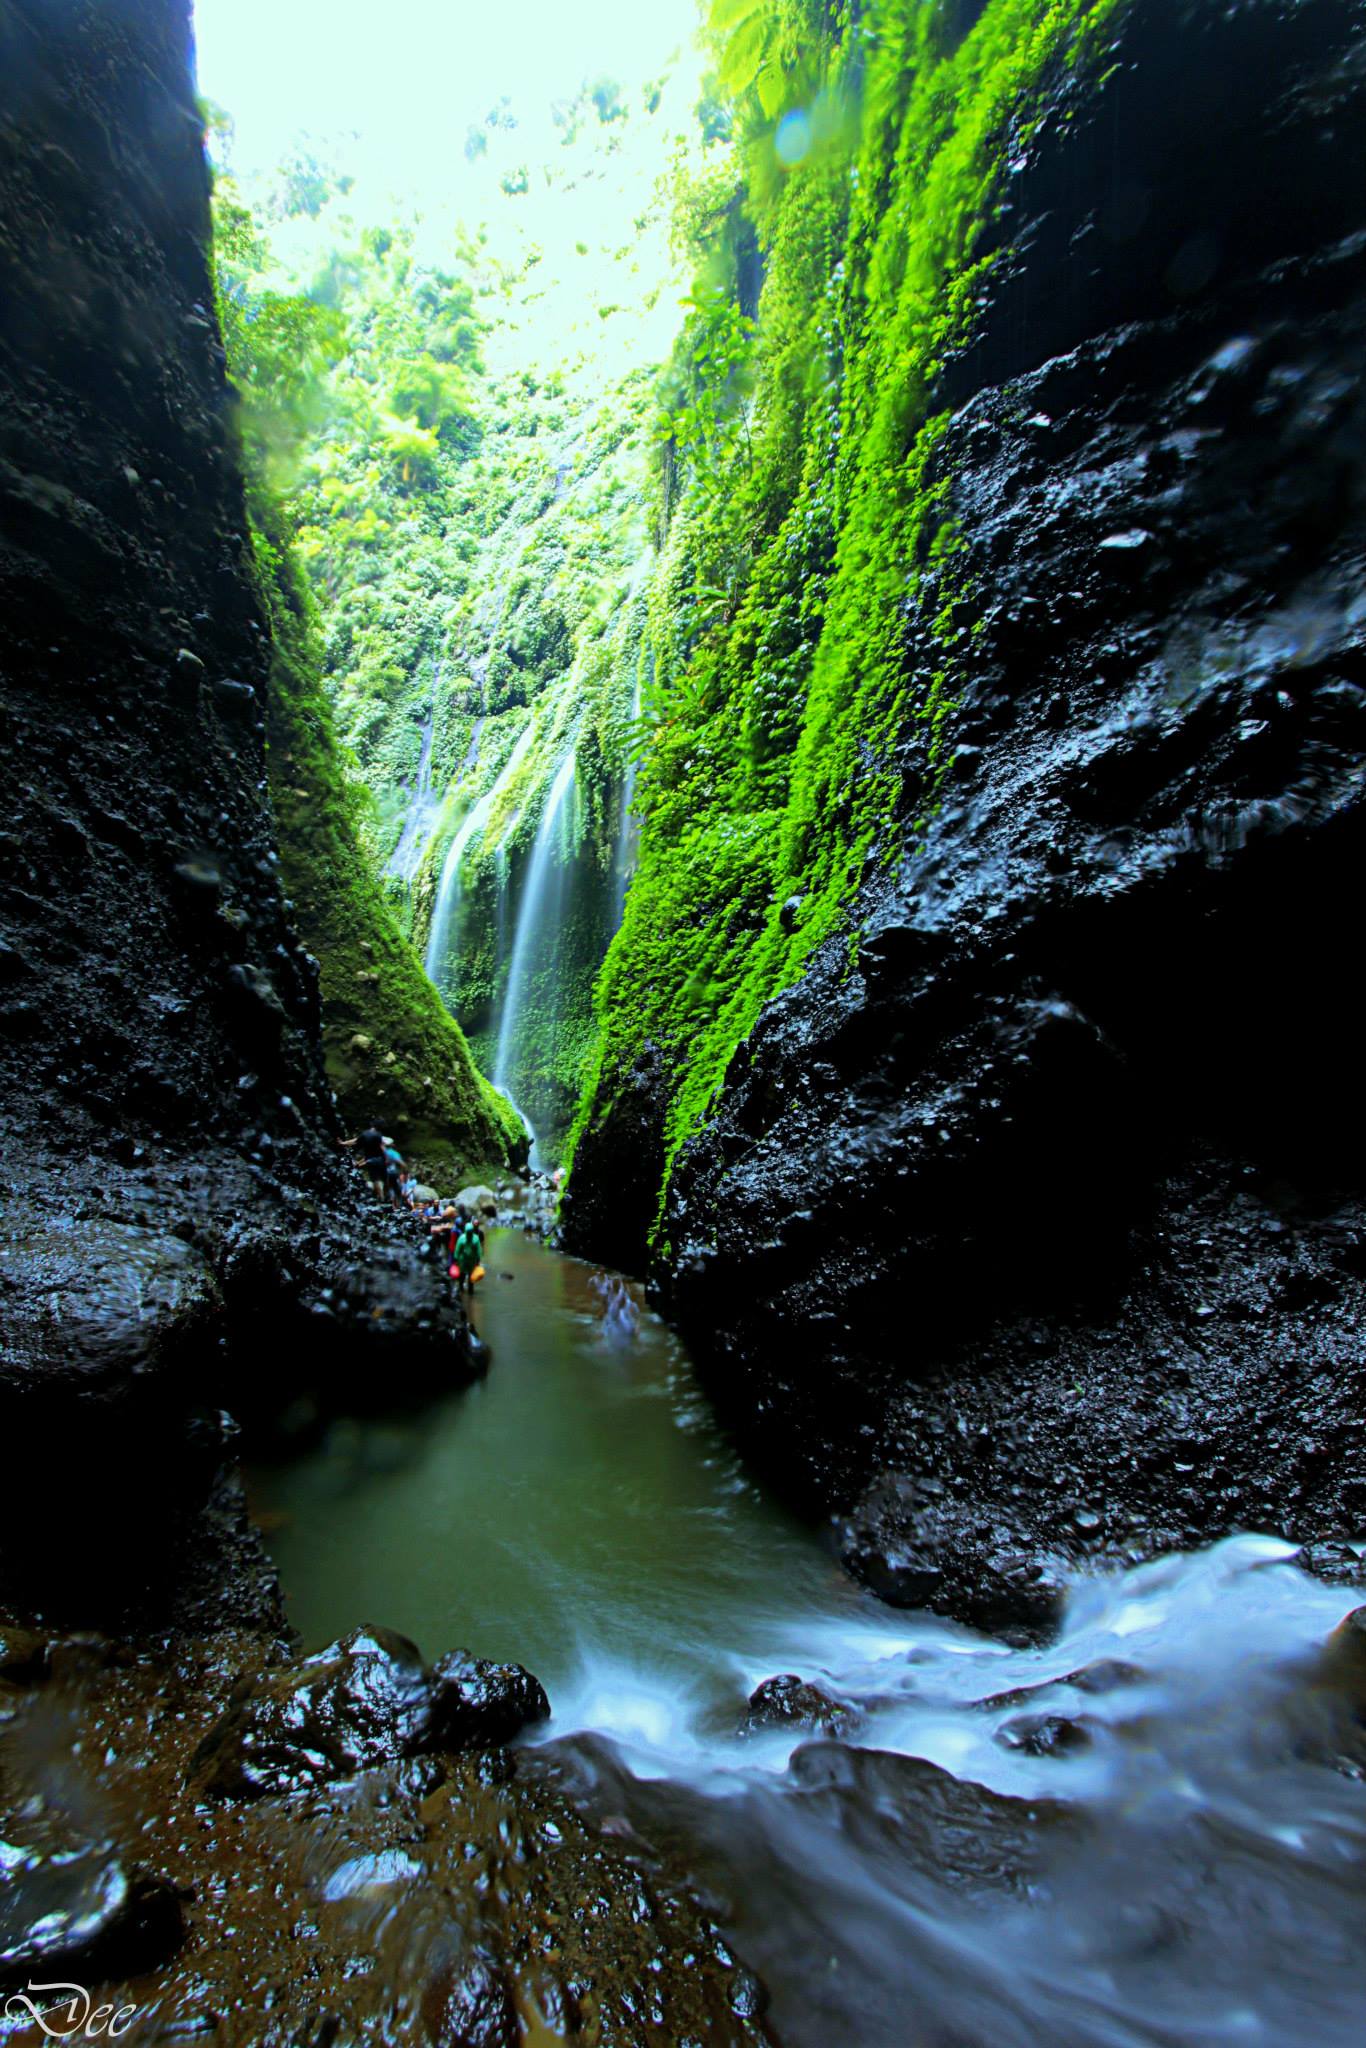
410	77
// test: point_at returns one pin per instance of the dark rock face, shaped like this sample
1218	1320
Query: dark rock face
1084	1128
609	1205
366	1700
180	1233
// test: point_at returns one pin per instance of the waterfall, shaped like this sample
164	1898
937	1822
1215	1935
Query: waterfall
417	824
627	848
538	926
448	891
448	894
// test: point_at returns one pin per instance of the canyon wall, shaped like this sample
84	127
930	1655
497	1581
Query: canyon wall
182	1232
1027	1223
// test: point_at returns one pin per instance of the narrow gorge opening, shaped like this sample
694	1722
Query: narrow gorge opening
682	694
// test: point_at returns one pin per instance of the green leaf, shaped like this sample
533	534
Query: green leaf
772	87
727	14
744	55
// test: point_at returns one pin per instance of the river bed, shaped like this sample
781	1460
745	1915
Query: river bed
1171	1849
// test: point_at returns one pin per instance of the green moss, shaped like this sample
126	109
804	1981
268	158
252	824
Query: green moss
394	1055
789	746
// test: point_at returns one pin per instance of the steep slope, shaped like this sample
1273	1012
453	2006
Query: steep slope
1028	1221
181	1233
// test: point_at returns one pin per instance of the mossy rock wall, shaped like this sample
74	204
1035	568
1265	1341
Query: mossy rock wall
795	749
394	1054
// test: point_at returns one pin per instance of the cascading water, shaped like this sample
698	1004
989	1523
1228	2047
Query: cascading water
1149	1834
628	829
421	814
448	891
536	945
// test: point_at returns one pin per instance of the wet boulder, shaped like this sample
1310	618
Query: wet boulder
1336	1564
362	1701
81	1912
1045	1734
478	1200
366	1700
471	2005
794	1703
99	1310
477	1704
915	1548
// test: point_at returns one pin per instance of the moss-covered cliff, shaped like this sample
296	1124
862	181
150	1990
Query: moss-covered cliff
990	1038
394	1054
807	510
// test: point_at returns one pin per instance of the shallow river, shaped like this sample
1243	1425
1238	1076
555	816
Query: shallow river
1192	1869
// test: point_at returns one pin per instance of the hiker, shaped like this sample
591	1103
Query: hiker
467	1262
393	1171
373	1163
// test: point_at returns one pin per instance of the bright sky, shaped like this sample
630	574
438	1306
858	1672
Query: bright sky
411	75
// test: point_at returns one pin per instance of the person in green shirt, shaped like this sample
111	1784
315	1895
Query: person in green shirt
467	1255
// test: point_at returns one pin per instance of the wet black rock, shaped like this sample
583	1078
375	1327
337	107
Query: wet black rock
81	1914
791	1702
914	1548
476	1704
363	1701
1086	1118
1045	1735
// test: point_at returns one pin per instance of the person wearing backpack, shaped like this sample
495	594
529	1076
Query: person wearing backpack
466	1267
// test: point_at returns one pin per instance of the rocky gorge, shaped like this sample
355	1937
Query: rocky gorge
974	1083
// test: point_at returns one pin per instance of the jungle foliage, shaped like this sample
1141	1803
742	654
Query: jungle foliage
393	1053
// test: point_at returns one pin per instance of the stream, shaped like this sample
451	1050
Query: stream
1163	1842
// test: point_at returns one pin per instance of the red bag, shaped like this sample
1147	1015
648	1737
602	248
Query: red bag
455	1272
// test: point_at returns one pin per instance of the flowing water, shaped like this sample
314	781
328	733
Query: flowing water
1192	1870
536	945
421	814
442	934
